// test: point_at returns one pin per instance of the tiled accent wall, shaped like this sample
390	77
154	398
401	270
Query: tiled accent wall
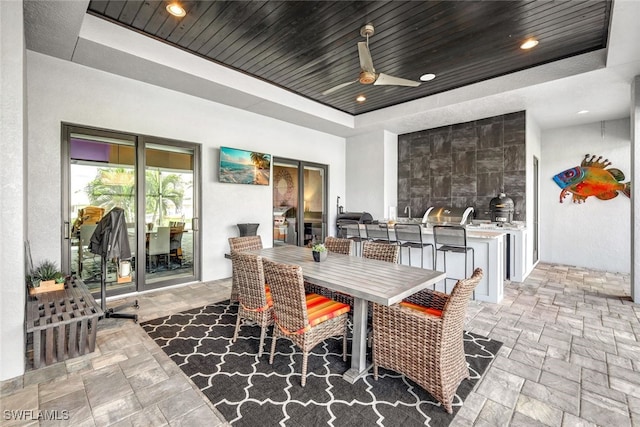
465	164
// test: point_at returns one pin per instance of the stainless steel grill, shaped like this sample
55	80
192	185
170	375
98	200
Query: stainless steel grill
447	216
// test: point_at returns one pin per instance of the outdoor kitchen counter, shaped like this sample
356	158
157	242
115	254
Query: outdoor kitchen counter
489	250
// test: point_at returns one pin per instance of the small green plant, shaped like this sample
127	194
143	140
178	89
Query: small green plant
319	247
46	270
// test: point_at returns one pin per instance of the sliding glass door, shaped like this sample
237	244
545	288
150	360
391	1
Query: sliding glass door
170	206
299	202
155	183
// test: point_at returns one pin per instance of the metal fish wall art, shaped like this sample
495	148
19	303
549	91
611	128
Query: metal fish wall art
592	179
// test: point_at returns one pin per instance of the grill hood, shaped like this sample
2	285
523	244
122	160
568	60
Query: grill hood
447	216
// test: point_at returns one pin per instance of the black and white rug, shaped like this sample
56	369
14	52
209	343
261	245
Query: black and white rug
248	391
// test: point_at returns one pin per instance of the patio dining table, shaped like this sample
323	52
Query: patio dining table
364	279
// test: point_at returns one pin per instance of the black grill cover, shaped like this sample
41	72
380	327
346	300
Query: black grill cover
110	239
361	217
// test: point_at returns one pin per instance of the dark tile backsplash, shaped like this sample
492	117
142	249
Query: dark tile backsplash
466	164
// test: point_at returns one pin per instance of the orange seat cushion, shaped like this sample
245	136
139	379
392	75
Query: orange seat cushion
267	291
423	309
321	309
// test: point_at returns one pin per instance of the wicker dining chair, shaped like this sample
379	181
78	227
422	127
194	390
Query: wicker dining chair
254	297
381	251
306	320
338	245
239	244
334	245
422	338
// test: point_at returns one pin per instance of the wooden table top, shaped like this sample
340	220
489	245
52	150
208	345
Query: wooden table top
378	281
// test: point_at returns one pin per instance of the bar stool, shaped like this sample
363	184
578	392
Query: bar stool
378	233
452	238
410	236
350	229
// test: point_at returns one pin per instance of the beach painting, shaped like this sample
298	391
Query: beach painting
244	167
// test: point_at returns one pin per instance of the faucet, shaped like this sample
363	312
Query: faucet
408	209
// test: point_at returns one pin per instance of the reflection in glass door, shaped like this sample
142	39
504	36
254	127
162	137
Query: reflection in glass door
299	202
169	212
160	203
285	203
101	176
315	228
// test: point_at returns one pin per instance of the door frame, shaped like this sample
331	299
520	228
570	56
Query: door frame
139	141
300	164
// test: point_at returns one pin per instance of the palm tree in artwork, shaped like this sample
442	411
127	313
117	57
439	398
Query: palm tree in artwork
260	161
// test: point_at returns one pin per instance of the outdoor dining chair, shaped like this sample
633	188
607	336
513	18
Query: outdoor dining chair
240	244
334	245
254	297
338	245
305	319
422	338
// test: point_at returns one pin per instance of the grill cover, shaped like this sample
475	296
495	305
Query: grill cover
447	216
361	217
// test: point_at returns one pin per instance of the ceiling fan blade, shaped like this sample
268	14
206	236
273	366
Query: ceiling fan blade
335	88
366	63
385	79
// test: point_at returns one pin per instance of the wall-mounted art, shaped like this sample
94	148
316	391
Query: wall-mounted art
244	167
592	178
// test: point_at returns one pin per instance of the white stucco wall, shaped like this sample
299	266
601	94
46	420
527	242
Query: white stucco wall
12	178
60	91
594	234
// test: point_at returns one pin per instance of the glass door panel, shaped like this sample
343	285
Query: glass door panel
101	177
314	204
169	212
285	203
299	202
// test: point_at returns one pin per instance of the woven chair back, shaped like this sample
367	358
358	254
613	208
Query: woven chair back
287	290
245	243
249	275
455	309
338	245
381	251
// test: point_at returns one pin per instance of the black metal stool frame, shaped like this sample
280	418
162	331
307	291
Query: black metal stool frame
452	238
408	238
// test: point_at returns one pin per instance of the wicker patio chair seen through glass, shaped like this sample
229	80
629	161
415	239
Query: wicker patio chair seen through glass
422	338
305	319
254	297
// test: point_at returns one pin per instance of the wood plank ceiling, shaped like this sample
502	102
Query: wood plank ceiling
310	46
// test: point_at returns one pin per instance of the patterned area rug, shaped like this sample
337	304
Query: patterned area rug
249	392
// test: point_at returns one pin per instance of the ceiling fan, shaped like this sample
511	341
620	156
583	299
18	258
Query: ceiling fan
368	74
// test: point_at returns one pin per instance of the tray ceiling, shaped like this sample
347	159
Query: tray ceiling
308	47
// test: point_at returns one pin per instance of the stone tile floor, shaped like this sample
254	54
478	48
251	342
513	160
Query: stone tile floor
571	357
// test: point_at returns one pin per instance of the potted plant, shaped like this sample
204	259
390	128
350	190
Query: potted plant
45	277
319	252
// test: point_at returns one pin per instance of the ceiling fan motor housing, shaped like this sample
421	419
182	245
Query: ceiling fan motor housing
366	77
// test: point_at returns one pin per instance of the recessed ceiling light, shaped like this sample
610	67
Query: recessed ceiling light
176	9
427	77
528	44
583	111
361	98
